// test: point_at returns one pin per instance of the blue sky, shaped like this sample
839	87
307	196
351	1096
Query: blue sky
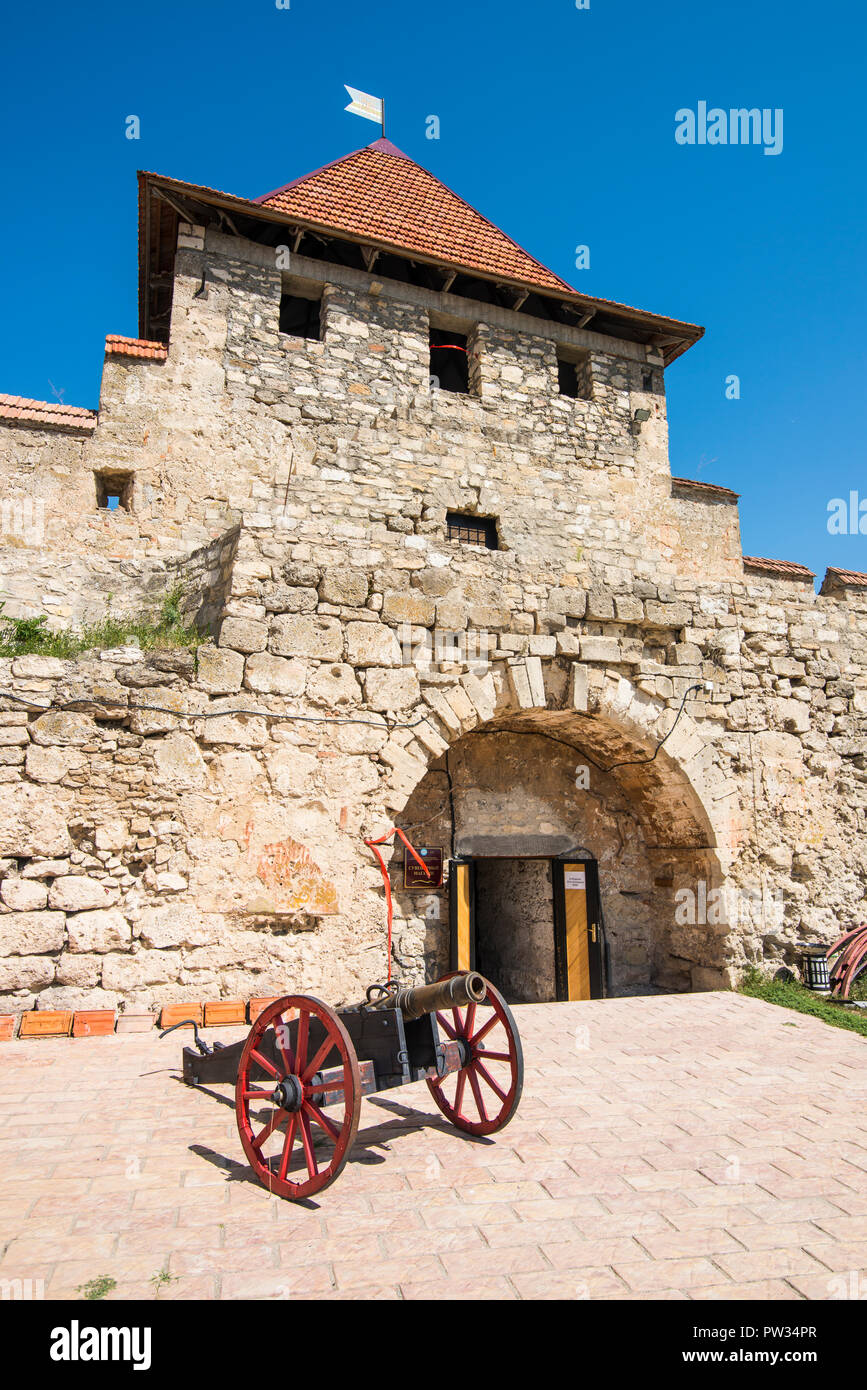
557	123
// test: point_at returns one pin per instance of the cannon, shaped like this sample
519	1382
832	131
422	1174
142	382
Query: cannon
301	1072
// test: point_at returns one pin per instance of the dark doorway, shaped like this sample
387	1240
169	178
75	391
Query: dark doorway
531	926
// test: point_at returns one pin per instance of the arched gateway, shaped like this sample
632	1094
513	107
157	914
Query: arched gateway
570	838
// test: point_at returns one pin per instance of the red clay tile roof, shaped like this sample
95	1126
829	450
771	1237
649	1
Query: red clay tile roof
135	347
853	578
713	488
786	569
28	412
379	192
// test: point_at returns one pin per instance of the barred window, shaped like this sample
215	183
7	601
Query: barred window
472	530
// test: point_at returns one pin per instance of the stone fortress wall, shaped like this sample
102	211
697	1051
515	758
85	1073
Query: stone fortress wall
299	489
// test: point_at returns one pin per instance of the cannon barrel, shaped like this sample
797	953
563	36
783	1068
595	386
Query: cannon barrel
456	992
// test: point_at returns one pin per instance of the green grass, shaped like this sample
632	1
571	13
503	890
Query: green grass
95	1289
789	994
25	636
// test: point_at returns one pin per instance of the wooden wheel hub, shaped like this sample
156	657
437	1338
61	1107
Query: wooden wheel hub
289	1093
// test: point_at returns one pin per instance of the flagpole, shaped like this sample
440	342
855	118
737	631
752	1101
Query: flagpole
383	118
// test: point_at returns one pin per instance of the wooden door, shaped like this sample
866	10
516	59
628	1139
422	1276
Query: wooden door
577	930
462	915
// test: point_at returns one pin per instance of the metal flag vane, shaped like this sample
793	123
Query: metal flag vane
371	108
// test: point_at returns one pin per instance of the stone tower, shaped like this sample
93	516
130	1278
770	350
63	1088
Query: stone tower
418	490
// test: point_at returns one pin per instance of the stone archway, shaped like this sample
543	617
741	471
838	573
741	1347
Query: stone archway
536	781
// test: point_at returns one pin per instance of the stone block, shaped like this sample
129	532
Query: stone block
600	649
275	675
242	730
628	609
25	972
178	762
164	698
38	667
571	603
243	634
408	606
99	932
23	894
220	670
600	604
334	686
673	615
387	689
300	636
372	644
63	728
51	765
33	821
346	587
78	893
31	933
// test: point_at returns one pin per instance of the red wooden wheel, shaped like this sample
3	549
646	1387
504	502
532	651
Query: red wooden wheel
297	1125
484	1094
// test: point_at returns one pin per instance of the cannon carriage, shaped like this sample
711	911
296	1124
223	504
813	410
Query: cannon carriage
301	1072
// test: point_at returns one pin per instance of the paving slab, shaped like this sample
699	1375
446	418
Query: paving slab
698	1147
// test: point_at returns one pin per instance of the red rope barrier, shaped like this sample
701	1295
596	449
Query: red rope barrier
372	844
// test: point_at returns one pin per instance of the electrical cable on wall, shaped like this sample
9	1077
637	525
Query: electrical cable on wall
210	714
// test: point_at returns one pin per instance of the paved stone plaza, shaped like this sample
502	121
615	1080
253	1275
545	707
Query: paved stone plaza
700	1146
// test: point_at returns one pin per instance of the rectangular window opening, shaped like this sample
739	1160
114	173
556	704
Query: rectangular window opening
472	530
300	317
449	360
114	491
574	378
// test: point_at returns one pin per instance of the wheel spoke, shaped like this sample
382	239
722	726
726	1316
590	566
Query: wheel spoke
275	1120
460	1031
301	1042
495	1056
486	1076
486	1028
287	1147
477	1093
447	1026
322	1120
307	1141
263	1062
312	1067
257	1095
459	1092
469	1020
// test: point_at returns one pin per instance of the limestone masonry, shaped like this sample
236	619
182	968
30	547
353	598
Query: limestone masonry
510	698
